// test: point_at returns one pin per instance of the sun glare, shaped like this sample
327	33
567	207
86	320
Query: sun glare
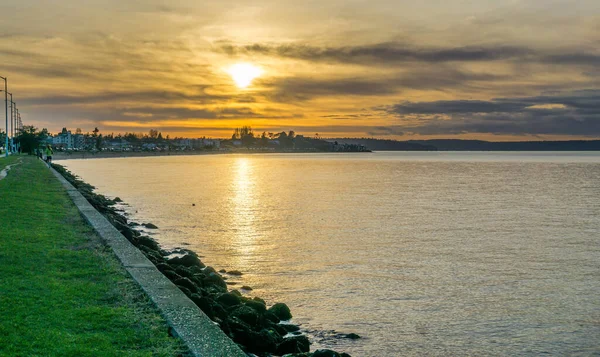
243	74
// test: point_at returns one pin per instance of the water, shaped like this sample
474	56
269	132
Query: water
422	254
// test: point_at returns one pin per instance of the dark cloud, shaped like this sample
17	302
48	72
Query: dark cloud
151	96
386	131
380	53
576	113
390	53
440	78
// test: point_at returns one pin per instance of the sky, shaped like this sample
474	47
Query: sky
481	69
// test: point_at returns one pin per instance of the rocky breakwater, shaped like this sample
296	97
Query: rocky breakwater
258	329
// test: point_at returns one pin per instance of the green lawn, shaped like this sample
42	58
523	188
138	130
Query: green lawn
62	293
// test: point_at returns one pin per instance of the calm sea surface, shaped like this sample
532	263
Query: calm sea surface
422	254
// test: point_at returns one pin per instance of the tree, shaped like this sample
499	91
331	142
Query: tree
264	140
30	138
153	134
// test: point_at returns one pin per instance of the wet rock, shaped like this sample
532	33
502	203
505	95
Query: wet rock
190	259
150	226
185	290
215	280
256	306
117	200
290	327
352	336
256	298
328	353
187	283
148	242
222	271
246	314
269	316
246	287
281	310
296	344
229	299
171	275
235	272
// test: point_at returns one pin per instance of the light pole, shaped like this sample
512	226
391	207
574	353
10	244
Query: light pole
6	110
11	119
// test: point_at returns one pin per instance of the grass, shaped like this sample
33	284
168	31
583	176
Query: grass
62	293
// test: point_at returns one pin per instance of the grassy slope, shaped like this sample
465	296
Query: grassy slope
61	292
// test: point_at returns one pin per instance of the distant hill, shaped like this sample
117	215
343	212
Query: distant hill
472	145
479	145
386	145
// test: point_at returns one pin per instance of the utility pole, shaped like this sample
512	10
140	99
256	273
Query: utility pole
6	111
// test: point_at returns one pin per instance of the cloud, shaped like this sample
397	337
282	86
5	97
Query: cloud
440	78
391	53
576	113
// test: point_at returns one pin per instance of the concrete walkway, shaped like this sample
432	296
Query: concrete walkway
6	169
202	336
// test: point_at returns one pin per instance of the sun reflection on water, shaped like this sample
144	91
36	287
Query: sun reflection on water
242	213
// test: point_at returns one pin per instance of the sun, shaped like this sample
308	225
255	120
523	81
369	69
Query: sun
243	73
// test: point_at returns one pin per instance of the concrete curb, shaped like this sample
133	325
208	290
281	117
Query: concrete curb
201	335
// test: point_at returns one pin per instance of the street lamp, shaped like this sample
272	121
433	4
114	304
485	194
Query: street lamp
6	110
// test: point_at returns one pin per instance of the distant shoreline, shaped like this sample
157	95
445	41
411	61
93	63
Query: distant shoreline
73	155
116	154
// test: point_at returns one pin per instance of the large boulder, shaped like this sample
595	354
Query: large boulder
229	299
295	344
246	314
189	259
281	310
188	284
256	305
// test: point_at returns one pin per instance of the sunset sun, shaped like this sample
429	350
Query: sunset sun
243	73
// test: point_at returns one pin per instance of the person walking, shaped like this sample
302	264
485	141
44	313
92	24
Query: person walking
49	153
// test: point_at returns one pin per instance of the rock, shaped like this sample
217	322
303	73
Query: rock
246	287
256	306
344	355
352	336
185	290
290	327
235	272
246	314
171	275
117	200
281	310
152	255
294	344
256	298
222	271
229	299
325	353
148	242
205	304
150	226
187	283
215	280
190	259
269	339
269	316
236	293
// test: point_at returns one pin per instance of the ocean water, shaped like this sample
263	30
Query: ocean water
422	254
